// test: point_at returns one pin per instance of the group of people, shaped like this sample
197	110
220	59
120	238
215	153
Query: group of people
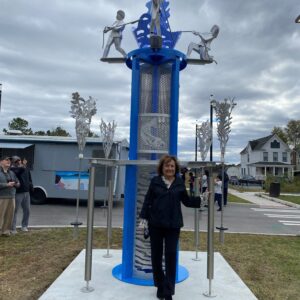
15	188
204	190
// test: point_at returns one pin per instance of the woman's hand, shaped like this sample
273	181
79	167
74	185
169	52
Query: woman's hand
143	223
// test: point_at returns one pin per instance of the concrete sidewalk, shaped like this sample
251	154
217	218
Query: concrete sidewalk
253	197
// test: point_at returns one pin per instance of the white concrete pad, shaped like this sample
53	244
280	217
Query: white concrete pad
225	285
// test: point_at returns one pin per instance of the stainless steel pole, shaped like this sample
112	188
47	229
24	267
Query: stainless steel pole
76	223
89	237
210	238
109	218
196	219
222	206
222	228
211	126
105	184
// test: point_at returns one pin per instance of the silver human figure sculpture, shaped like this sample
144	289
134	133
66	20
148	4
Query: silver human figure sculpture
155	17
204	46
115	36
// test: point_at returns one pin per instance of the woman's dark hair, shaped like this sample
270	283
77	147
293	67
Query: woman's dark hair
206	173
164	160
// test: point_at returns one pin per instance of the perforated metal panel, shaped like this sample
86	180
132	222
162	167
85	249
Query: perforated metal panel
153	142
154	108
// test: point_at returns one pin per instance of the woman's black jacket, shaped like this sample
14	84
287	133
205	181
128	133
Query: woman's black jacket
162	206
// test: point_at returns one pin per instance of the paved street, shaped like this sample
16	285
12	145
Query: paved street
265	217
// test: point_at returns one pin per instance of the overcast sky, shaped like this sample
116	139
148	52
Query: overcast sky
50	49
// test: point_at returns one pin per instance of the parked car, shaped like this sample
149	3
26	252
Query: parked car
234	180
248	179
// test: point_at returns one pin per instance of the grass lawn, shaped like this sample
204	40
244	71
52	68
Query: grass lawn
236	199
294	199
30	262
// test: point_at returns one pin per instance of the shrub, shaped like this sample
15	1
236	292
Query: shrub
287	185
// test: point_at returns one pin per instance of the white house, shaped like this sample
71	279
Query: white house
234	171
267	155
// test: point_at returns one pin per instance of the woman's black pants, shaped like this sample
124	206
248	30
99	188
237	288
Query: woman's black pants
164	281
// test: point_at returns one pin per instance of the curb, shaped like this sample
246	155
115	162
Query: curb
287	203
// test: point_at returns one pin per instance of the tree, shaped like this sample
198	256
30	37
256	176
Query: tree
93	134
58	131
19	124
293	132
40	133
281	133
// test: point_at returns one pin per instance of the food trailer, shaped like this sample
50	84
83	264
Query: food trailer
54	165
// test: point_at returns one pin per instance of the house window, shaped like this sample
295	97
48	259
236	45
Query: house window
284	156
275	156
275	144
266	156
248	157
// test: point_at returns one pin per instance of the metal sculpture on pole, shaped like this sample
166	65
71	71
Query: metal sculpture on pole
204	136
107	133
203	47
82	111
155	66
223	112
116	34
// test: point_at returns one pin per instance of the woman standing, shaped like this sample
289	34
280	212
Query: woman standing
162	211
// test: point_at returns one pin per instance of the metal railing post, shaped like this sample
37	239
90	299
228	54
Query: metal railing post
196	218
89	240
210	238
109	218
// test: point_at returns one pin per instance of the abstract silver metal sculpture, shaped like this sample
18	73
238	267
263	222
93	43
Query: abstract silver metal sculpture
107	133
223	114
204	140
82	111
204	136
204	46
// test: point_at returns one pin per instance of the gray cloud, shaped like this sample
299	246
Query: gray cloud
50	49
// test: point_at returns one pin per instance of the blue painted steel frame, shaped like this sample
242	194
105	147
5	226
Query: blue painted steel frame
124	272
130	186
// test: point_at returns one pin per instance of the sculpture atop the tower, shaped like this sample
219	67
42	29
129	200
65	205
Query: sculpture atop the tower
204	45
159	24
116	34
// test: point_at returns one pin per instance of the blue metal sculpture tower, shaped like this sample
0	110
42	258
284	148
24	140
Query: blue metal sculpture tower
153	133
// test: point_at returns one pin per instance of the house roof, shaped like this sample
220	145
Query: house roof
257	144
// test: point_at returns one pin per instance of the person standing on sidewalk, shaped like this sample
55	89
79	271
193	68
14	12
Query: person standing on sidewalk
225	189
8	184
23	192
191	183
218	191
